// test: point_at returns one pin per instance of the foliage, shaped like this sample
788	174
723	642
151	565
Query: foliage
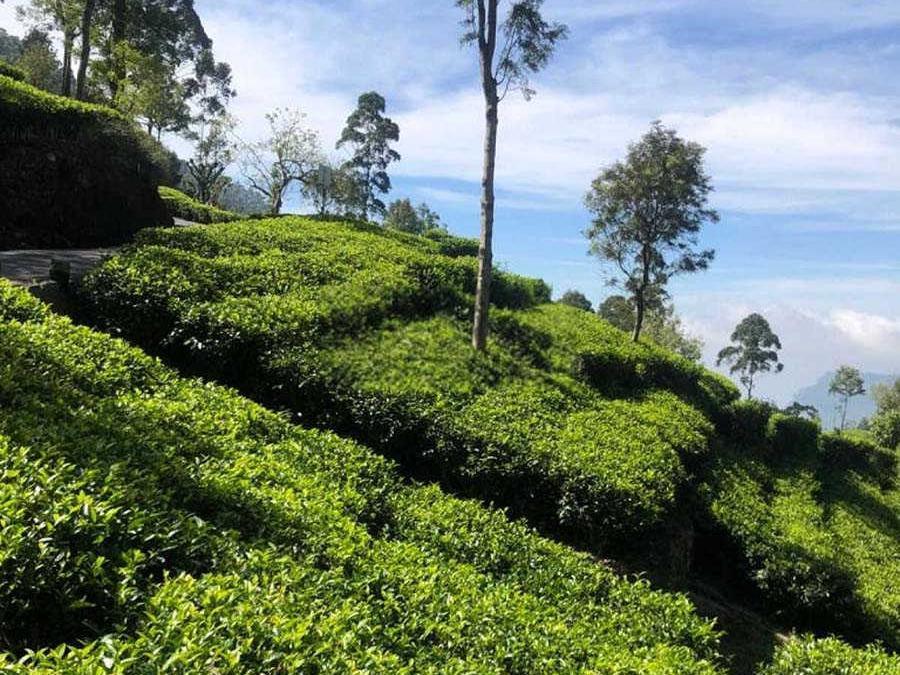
797	409
649	210
213	153
661	324
267	546
238	198
808	655
576	299
12	72
402	216
755	350
39	62
369	134
182	206
290	154
278	299
846	383
73	174
332	189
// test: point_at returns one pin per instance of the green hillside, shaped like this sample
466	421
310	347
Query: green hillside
619	449
152	523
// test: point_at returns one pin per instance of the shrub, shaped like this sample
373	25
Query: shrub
12	72
886	428
73	174
808	655
788	434
180	205
197	532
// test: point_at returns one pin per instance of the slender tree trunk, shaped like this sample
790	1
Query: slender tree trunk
844	413
639	310
68	45
487	42
118	35
87	18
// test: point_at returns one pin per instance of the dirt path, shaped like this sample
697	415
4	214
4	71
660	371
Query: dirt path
33	267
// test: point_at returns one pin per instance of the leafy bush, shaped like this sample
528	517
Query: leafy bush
808	655
789	434
267	547
183	206
73	174
12	72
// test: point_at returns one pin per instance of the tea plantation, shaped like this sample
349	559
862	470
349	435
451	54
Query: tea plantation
152	523
619	449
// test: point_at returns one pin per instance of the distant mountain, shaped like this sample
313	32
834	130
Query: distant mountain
860	406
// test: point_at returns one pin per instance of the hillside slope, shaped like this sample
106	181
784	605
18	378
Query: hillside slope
616	448
199	532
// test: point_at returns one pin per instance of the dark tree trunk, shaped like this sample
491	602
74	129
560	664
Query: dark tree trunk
87	19
639	311
487	22
68	46
118	35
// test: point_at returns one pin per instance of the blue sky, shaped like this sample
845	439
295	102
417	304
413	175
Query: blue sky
797	101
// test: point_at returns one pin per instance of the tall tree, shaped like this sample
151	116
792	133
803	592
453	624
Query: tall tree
755	350
290	154
370	134
649	210
846	384
525	45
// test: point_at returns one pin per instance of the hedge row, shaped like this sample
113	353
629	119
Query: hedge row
184	206
73	174
818	521
197	532
265	306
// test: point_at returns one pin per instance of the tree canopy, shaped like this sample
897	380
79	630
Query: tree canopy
648	211
755	351
577	299
370	134
846	384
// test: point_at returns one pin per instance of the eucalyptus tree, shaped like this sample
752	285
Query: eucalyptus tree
370	134
847	383
754	350
648	212
213	154
509	50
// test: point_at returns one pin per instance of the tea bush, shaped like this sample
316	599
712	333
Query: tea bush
807	655
73	174
186	207
185	529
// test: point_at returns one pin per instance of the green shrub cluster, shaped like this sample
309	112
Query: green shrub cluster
186	207
184	529
305	303
816	519
12	72
73	174
592	438
807	655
